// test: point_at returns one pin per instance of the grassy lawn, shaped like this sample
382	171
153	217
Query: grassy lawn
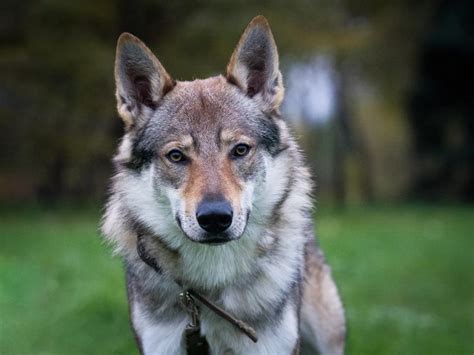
405	273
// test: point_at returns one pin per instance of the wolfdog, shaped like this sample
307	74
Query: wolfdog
211	195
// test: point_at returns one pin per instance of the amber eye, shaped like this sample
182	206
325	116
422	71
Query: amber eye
176	156
240	150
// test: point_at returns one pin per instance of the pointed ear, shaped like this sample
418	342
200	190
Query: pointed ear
140	79
254	65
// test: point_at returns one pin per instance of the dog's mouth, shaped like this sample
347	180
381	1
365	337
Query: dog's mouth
215	240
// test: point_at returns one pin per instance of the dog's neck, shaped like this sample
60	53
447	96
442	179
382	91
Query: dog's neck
208	267
189	296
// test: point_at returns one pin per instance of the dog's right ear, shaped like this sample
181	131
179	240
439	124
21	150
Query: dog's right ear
254	66
140	79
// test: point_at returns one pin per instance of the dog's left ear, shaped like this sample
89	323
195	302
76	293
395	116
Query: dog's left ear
254	65
141	80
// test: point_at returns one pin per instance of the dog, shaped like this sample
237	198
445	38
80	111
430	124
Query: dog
211	180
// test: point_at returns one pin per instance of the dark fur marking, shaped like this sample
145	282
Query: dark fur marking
273	314
140	159
178	221
281	201
143	150
290	294
218	137
130	297
298	297
147	258
269	135
281	149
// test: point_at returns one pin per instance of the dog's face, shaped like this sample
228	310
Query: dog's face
207	141
204	143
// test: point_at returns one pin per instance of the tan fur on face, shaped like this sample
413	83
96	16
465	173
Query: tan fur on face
205	178
232	187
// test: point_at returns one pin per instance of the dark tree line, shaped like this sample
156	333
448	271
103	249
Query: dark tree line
57	106
442	105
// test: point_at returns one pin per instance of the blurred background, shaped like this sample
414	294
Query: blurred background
378	93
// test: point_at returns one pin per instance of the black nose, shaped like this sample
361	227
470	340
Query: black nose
214	216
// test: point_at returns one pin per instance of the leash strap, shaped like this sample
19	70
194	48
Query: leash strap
242	326
187	299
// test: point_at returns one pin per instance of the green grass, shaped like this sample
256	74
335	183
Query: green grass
405	274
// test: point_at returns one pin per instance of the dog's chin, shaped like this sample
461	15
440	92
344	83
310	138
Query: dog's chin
213	239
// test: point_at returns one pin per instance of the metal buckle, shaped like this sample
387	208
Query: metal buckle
191	308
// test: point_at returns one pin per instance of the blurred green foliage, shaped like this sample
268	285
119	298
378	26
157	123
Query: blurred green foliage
405	274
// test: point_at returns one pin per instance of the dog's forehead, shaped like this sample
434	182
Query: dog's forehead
207	104
209	111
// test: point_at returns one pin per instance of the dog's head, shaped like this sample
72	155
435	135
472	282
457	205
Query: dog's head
205	144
